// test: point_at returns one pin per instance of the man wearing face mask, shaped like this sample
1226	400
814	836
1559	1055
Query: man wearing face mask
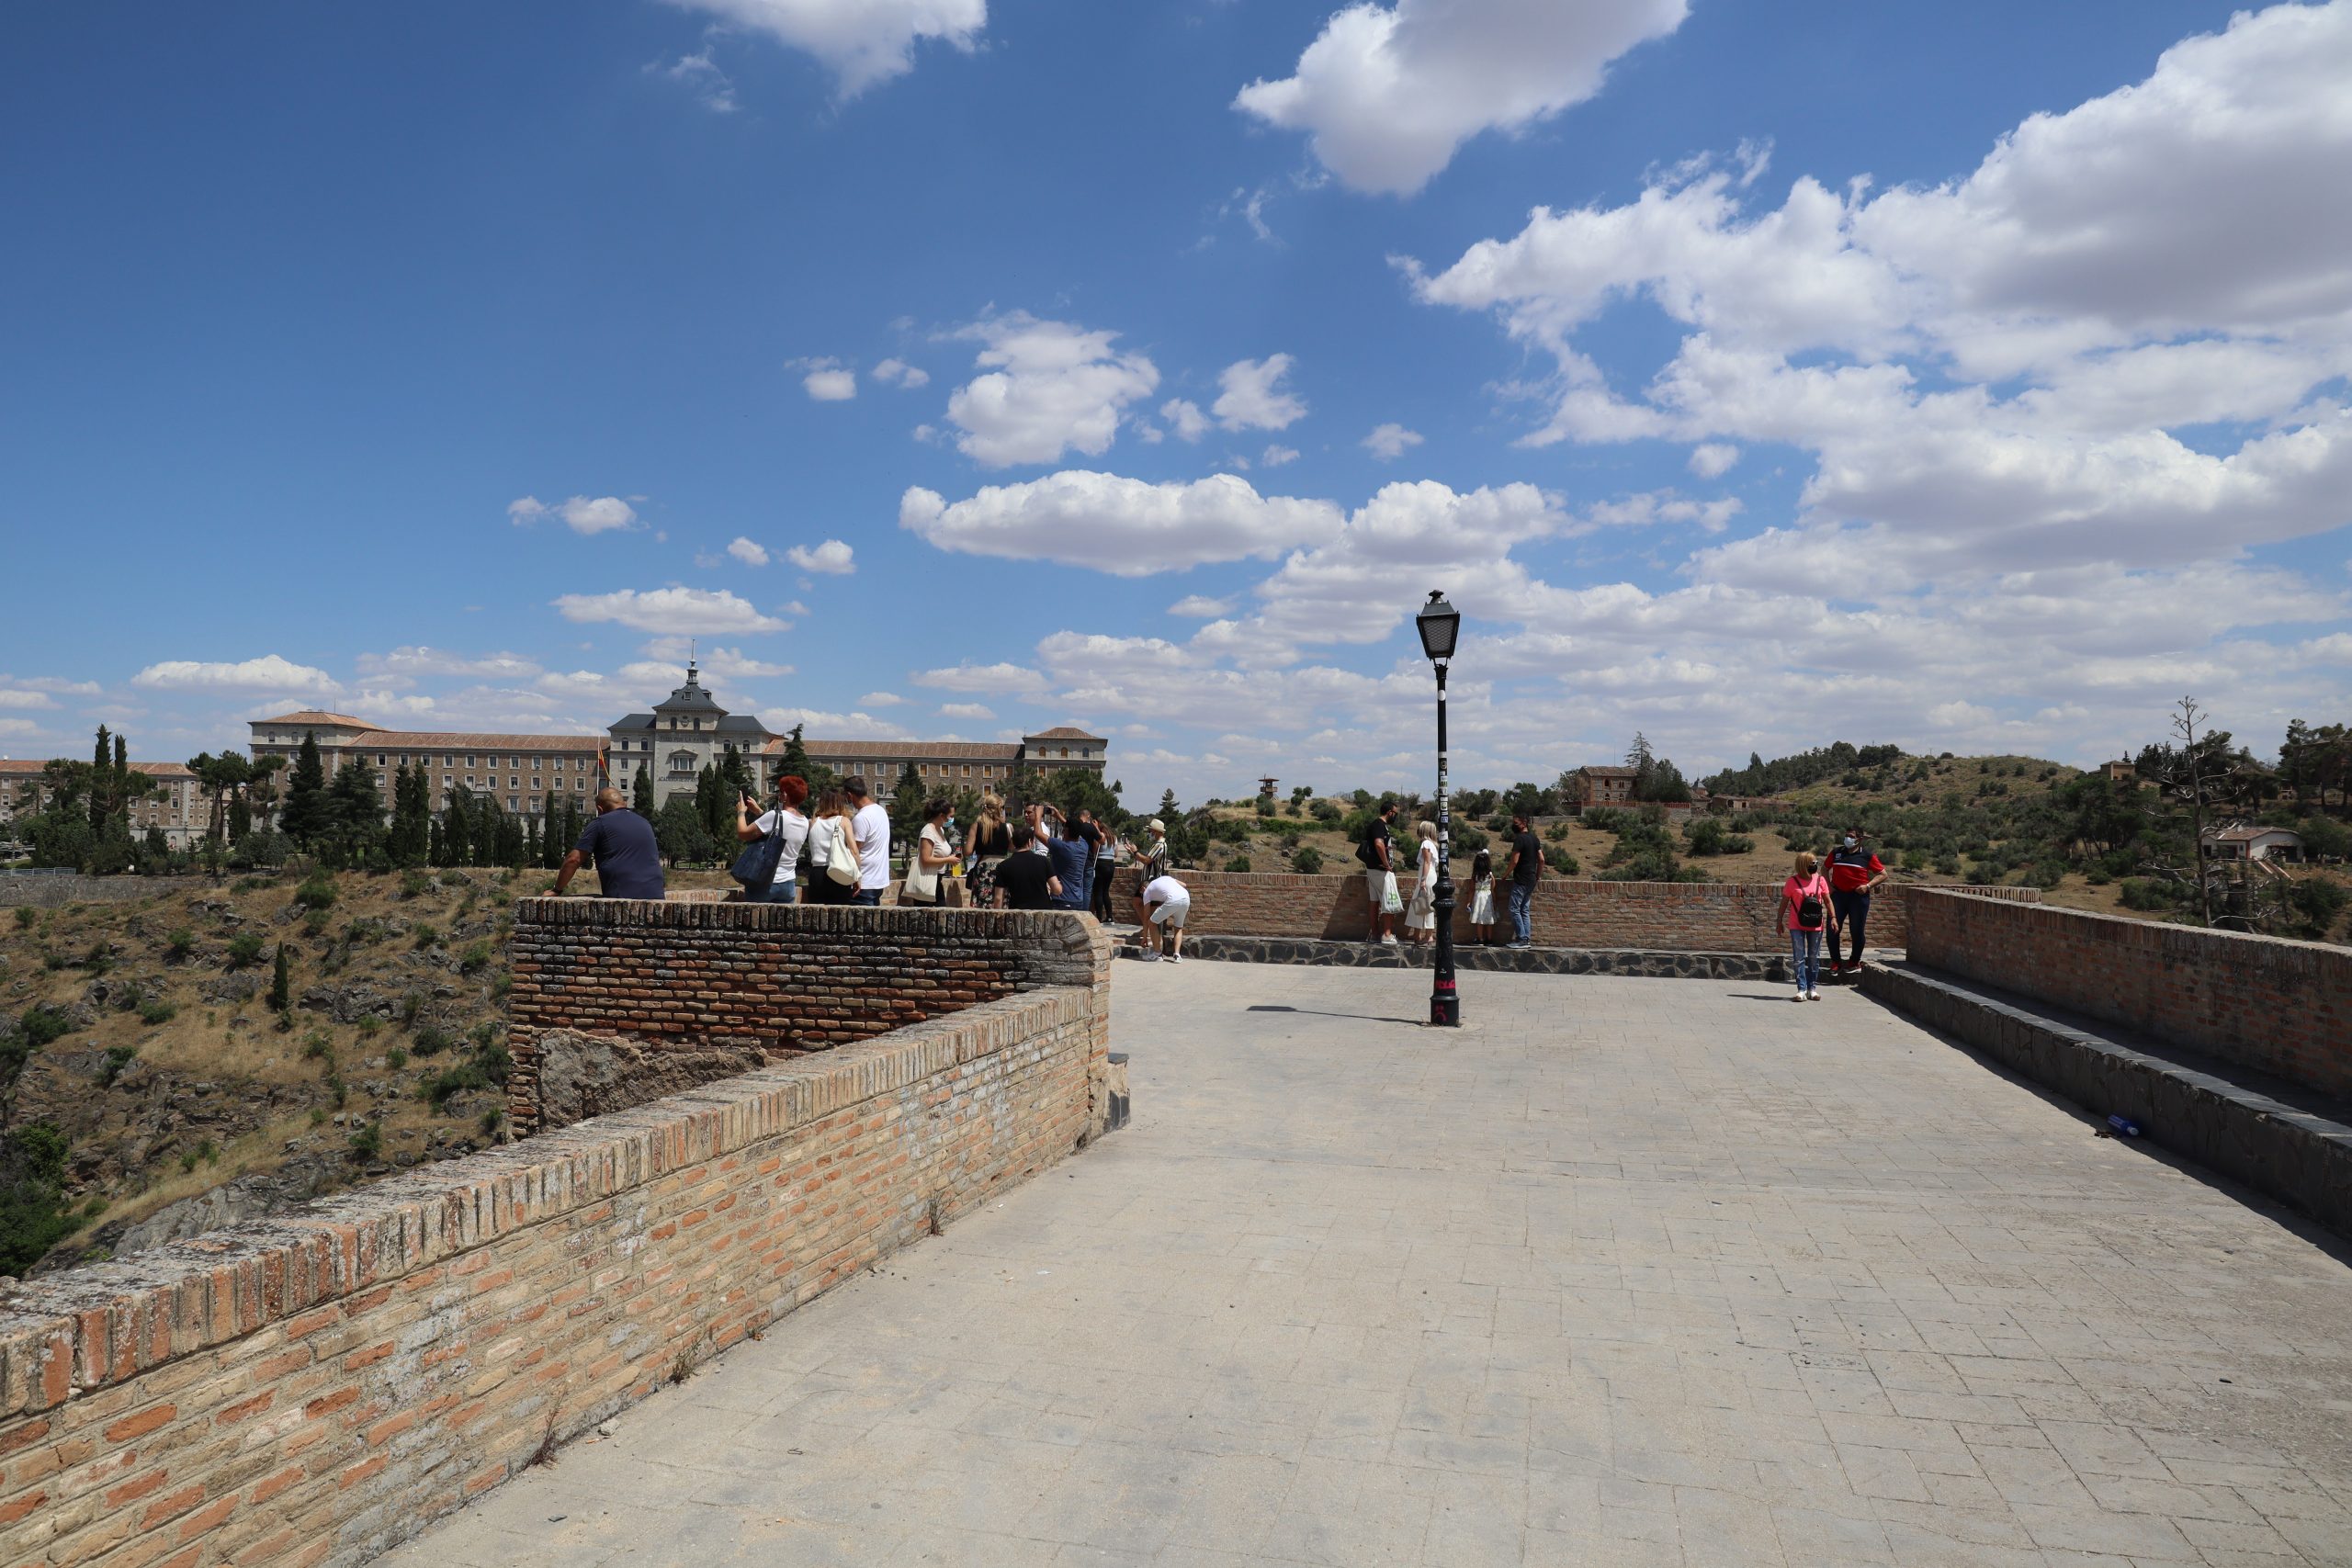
1853	871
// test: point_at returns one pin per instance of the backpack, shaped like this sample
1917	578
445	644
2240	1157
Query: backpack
1809	911
1364	851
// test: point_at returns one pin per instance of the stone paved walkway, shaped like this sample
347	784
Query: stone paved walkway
1629	1271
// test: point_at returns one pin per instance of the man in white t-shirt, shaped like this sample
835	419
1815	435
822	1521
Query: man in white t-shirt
873	826
1165	903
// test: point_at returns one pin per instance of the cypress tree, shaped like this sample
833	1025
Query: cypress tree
307	813
412	836
458	828
101	768
241	818
281	984
641	796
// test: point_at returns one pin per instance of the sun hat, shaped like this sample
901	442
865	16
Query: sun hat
1154	825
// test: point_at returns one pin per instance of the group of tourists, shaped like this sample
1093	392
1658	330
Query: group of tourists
1830	897
1377	851
836	849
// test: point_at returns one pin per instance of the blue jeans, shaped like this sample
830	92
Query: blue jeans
1523	913
868	895
1804	960
775	893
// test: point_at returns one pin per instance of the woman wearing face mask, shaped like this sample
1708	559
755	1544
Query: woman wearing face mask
1853	871
935	853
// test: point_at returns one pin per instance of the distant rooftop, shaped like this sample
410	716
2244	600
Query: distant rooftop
318	717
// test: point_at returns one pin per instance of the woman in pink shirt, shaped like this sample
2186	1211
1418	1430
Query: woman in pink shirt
1804	911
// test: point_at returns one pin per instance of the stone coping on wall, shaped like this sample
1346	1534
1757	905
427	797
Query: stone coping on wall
2269	1004
85	1329
1359	954
2281	1139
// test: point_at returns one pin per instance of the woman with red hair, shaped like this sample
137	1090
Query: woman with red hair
786	822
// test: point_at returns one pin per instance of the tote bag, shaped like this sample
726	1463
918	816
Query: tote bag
755	867
841	854
922	887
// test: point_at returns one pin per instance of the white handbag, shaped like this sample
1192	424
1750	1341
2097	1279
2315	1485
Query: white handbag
922	886
1389	902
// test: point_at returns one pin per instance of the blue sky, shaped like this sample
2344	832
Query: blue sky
1972	377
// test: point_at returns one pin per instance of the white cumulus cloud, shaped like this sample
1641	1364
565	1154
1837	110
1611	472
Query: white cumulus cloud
1125	526
1047	387
1185	418
678	611
1711	459
1391	441
267	673
899	373
833	557
965	710
862	42
1251	397
1387	92
582	514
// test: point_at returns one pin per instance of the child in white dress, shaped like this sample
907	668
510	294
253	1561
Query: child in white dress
1482	898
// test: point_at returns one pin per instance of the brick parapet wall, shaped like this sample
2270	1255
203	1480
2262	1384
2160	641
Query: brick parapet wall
1659	916
315	1388
2264	1002
785	979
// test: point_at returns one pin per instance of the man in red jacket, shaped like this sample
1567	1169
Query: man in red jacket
1853	871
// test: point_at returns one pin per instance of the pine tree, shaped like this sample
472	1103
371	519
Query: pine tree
796	755
241	818
307	813
641	795
281	984
438	850
906	806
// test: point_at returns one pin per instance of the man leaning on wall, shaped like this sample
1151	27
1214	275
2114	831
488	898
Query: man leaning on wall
621	843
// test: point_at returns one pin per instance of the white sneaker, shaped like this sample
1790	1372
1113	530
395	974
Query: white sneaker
1813	996
1389	942
1175	958
1148	956
1798	997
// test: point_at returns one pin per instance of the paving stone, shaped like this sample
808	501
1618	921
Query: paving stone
1626	1271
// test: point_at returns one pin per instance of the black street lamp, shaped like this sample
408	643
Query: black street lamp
1441	624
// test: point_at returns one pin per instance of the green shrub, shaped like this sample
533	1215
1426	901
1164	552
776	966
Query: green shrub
1238	862
431	1040
179	944
368	1024
1605	819
426	935
476	957
1307	859
317	892
415	883
2315	904
26	917
40	1024
244	949
368	1141
154	1009
1564	863
492	1119
118	1058
395	1059
2142	893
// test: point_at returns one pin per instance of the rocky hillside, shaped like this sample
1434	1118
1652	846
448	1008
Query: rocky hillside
150	1039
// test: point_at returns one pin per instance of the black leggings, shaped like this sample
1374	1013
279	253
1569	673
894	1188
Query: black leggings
1099	900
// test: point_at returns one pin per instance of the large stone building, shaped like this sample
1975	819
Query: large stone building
178	806
685	732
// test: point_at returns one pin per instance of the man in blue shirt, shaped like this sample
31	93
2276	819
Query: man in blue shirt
1071	857
629	862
